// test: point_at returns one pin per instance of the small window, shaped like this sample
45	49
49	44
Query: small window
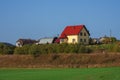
73	40
84	40
81	34
84	34
81	40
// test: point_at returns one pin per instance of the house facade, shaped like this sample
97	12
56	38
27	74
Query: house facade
75	34
21	42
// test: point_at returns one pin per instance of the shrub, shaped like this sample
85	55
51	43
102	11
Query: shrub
35	50
18	50
116	48
84	49
65	48
69	49
5	49
22	50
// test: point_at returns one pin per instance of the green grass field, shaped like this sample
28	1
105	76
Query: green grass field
61	74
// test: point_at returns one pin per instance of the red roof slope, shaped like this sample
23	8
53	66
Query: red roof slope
72	30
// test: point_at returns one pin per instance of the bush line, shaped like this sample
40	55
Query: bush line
59	48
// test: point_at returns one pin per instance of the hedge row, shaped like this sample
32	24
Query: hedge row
52	48
58	48
115	47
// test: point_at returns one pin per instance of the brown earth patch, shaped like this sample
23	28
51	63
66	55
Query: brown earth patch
60	60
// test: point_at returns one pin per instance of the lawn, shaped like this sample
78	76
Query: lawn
61	74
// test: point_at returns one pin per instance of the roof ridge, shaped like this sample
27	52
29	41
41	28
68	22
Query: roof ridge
72	30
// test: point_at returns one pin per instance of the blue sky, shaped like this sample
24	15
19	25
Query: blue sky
46	18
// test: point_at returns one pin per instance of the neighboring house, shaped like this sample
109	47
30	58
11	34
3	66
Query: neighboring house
102	40
21	42
75	34
47	40
105	40
95	41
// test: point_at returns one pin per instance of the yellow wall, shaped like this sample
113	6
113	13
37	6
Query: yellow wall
71	37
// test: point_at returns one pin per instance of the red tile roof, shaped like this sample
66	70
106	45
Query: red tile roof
72	30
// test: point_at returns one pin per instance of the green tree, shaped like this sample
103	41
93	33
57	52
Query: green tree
5	49
35	50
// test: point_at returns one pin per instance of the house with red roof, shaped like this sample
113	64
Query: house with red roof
75	34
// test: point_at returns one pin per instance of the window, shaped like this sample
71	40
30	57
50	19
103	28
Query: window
81	34
73	40
84	34
81	40
84	40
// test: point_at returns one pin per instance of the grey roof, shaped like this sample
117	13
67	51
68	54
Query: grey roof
46	40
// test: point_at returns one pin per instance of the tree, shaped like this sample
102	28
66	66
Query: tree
6	49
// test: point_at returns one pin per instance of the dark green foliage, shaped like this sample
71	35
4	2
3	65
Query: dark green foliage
36	50
6	49
66	48
113	39
22	50
84	49
116	48
59	48
113	47
52	48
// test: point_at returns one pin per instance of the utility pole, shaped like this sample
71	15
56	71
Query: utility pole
110	33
